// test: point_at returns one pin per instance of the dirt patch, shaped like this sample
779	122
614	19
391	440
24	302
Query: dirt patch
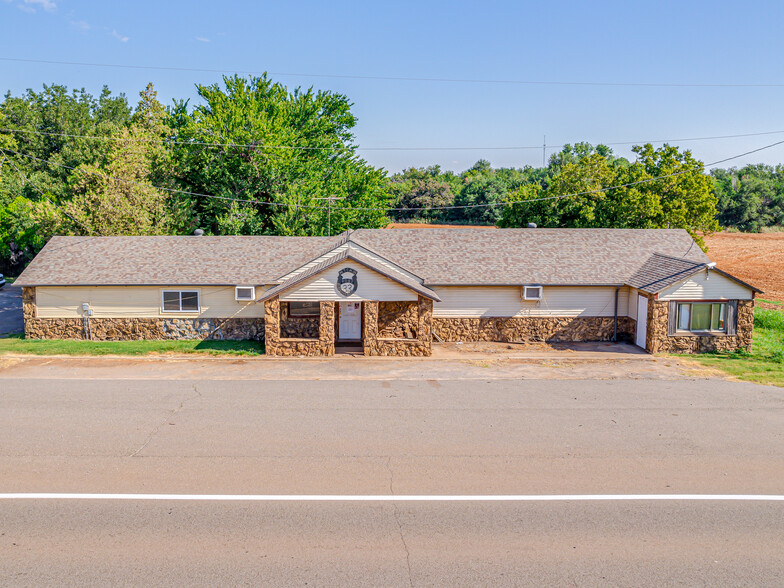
756	258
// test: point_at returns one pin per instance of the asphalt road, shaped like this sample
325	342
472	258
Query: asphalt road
391	437
11	318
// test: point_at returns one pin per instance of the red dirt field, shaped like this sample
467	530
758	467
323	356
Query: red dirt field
756	258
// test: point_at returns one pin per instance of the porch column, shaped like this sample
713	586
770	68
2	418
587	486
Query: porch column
425	325
272	325
327	327
370	327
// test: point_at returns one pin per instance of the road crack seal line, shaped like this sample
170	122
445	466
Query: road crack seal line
399	524
168	418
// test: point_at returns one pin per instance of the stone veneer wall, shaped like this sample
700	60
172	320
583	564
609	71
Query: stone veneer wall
128	329
398	319
303	327
28	303
533	329
658	341
419	322
277	345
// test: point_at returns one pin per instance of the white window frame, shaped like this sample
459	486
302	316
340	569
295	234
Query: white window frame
691	304
198	302
249	299
527	286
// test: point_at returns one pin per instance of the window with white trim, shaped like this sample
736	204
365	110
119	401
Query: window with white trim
180	300
702	316
244	293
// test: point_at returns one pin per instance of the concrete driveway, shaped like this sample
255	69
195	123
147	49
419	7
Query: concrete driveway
11	319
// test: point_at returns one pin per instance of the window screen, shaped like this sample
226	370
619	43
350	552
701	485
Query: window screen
189	300
181	301
171	301
304	309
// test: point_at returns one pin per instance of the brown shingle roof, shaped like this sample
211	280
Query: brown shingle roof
662	271
527	256
72	261
438	256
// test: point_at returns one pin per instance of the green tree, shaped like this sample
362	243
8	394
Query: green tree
664	188
281	154
123	195
751	198
482	195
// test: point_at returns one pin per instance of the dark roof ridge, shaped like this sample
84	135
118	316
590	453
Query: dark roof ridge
686	259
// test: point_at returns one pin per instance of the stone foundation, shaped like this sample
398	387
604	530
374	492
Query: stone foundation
658	341
398	320
128	329
533	329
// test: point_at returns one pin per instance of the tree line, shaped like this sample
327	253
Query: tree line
252	157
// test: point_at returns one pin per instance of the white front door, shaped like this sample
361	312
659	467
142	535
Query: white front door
350	320
642	320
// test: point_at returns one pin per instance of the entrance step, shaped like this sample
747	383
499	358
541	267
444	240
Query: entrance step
349	349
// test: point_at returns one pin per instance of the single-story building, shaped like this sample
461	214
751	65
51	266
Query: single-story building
391	292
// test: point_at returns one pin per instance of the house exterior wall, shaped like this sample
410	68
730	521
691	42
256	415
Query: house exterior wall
707	286
370	286
139	302
532	329
659	341
506	301
134	312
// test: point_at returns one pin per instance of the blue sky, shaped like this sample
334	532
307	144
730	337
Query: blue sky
628	42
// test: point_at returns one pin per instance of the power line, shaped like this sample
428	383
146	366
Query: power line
404	209
403	78
308	148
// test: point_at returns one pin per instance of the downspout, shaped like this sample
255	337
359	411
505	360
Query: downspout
615	325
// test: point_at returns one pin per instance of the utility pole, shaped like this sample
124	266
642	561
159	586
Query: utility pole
330	199
544	151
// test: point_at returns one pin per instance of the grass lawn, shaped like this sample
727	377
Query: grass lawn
18	344
765	363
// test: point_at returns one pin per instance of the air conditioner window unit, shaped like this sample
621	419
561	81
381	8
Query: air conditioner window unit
532	292
244	293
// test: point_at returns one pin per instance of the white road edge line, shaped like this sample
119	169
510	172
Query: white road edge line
391	497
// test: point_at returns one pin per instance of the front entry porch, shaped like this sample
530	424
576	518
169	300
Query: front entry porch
386	328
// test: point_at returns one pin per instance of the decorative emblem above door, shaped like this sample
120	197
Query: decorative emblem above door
347	281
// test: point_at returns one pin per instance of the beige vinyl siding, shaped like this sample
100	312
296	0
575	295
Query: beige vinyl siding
370	286
139	301
506	301
353	246
707	286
